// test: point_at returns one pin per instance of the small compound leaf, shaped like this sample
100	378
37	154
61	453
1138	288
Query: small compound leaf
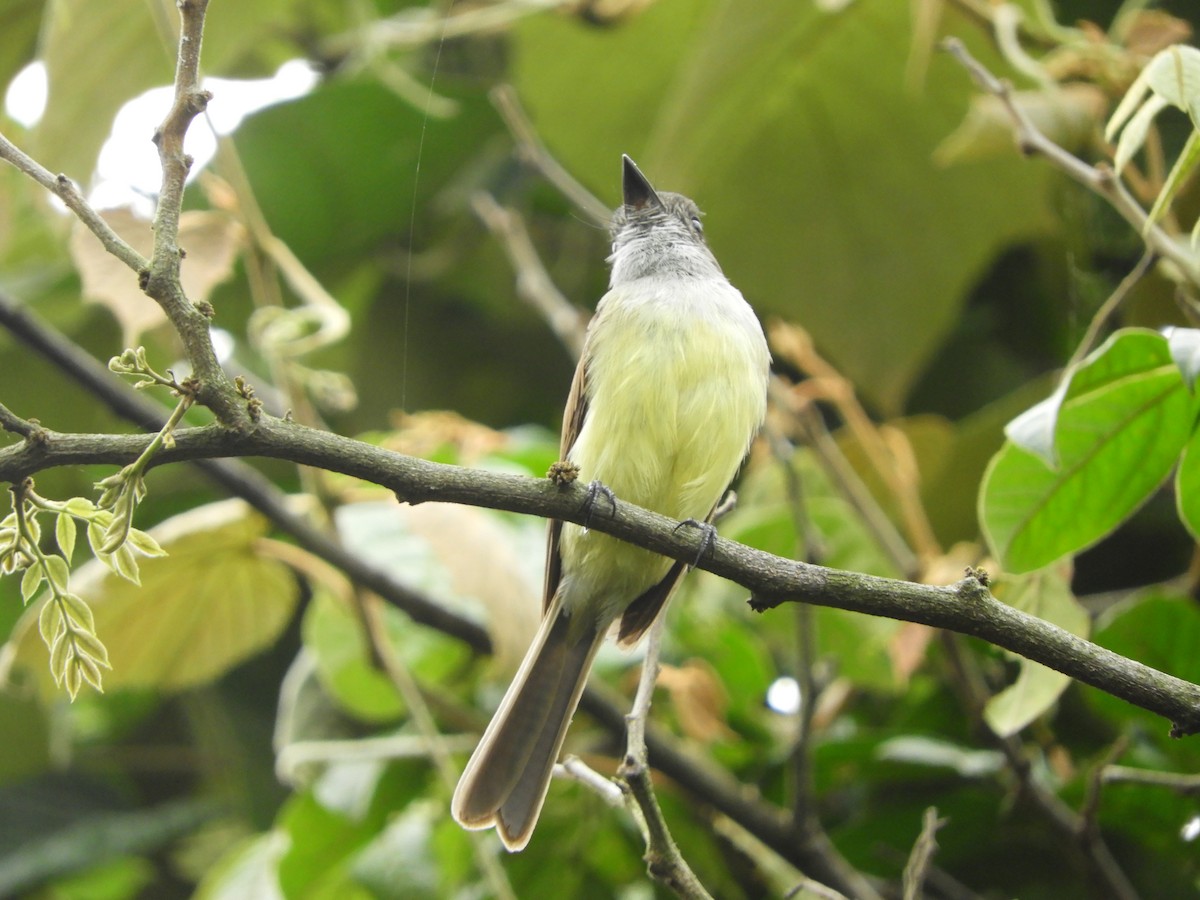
144	544
77	610
58	572
87	644
60	652
50	621
125	564
72	678
1134	135
30	582
90	672
1174	74
1129	104
81	506
64	533
1181	172
212	603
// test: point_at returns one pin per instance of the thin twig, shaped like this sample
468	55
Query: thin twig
922	855
160	280
664	862
813	433
605	788
808	541
414	27
534	284
828	383
1108	307
1186	784
65	189
531	149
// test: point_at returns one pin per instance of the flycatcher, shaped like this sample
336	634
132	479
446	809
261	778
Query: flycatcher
670	390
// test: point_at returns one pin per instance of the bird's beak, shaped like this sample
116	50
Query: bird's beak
638	192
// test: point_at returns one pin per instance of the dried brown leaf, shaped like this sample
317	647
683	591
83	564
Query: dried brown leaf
211	240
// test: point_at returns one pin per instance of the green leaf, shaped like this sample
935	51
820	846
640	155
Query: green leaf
251	871
322	139
100	55
19	21
97	56
1174	74
335	638
1047	595
64	533
1187	485
144	544
1186	164
30	582
50	621
78	611
215	601
1034	430
793	127
1121	427
58	572
399	864
1134	135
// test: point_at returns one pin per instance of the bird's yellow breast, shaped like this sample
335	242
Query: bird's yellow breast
676	389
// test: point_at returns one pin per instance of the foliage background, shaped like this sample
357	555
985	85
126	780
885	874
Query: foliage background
944	277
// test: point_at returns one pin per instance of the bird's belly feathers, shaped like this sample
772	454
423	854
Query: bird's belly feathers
676	389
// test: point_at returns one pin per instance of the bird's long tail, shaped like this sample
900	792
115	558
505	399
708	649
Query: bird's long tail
506	780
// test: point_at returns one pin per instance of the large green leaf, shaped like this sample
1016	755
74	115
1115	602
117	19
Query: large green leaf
358	149
1118	433
794	128
1047	595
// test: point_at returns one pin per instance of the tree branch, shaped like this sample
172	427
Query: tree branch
663	860
65	189
965	607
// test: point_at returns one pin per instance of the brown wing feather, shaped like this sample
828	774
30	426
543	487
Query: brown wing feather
572	422
641	613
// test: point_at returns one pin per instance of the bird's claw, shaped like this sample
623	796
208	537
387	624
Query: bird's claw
597	489
708	537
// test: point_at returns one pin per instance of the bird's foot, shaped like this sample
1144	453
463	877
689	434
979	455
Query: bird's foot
708	537
595	490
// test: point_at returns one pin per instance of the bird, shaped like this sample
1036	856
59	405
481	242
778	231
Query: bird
668	394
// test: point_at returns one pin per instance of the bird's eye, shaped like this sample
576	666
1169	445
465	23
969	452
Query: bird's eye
698	225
